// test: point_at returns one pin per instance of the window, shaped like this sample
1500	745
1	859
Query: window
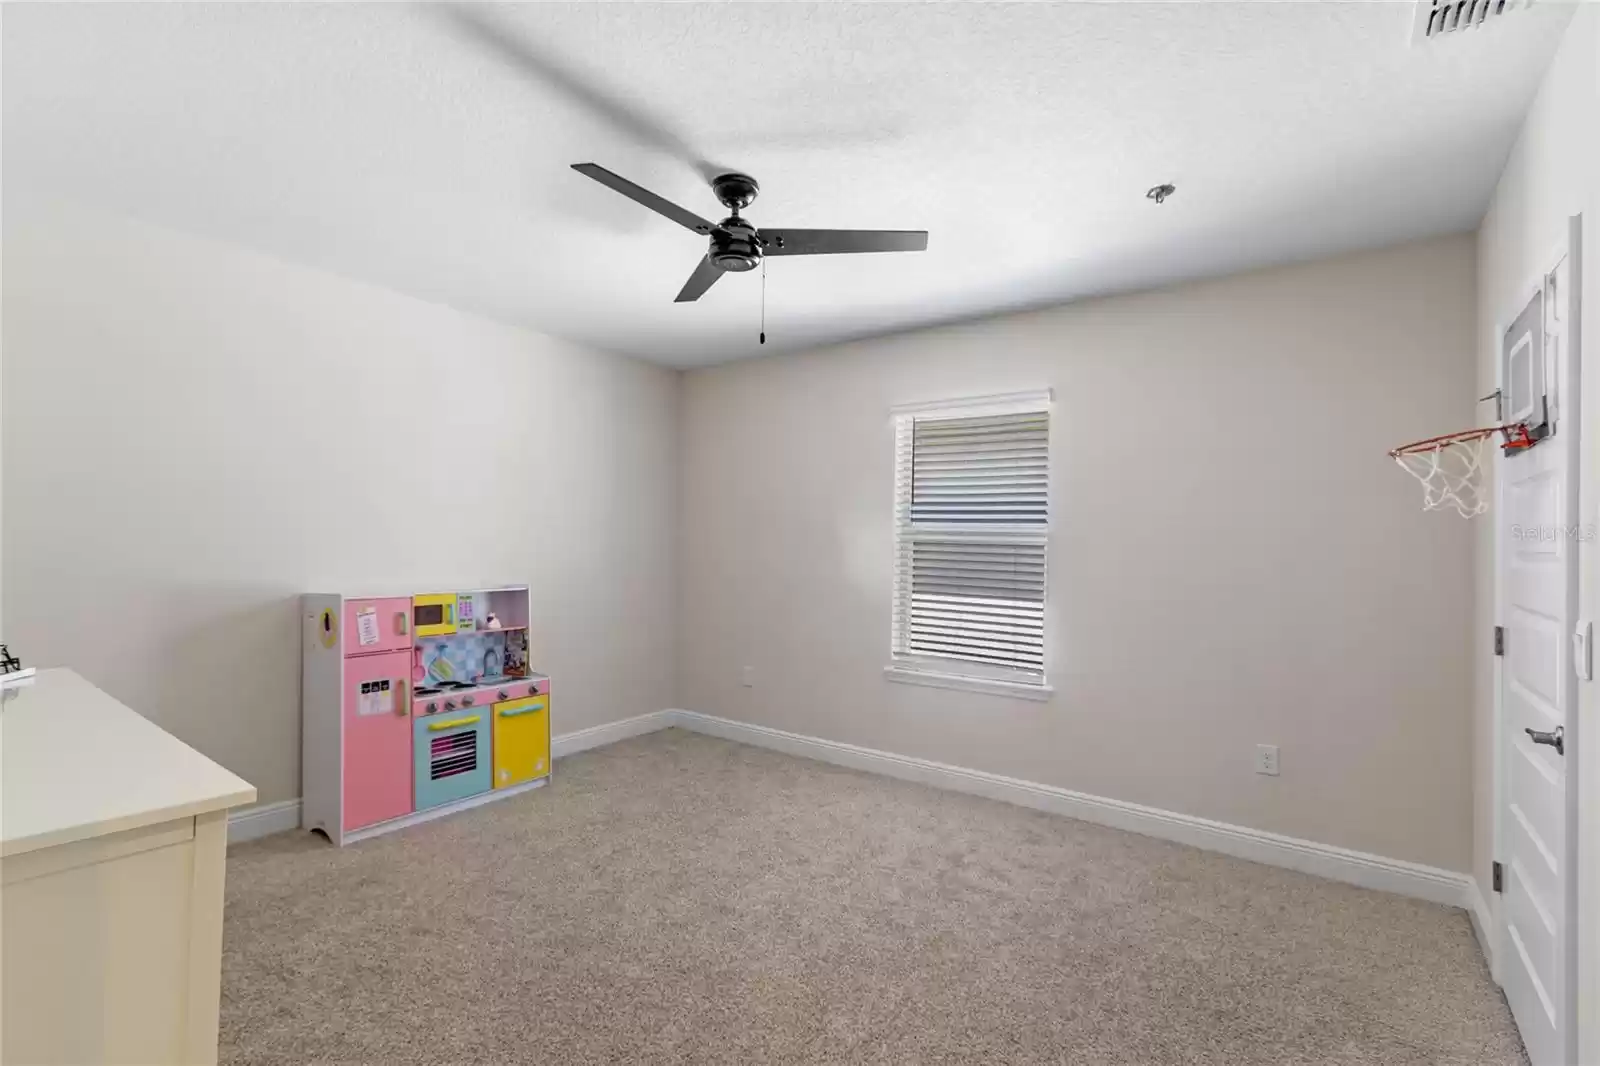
972	527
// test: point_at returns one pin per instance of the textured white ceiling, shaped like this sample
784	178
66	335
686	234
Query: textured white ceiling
375	141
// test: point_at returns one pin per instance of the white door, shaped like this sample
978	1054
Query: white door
1539	608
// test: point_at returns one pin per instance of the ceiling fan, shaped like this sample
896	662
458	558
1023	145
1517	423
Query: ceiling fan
737	245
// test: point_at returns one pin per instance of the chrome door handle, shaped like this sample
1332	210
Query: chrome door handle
1555	738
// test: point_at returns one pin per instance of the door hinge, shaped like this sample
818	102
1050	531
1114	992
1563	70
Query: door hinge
1499	640
1499	877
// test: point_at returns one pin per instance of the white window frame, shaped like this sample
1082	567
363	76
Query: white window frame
948	673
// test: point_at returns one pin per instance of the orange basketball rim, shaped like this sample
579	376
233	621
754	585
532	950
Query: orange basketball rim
1451	467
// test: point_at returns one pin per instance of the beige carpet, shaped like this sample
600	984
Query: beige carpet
676	898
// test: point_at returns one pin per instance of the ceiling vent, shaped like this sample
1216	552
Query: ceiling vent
1440	18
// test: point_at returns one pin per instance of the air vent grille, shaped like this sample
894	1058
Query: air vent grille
1439	18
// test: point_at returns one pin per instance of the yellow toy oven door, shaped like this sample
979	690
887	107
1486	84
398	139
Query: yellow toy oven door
433	615
521	740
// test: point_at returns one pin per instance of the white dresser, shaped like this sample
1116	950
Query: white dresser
113	836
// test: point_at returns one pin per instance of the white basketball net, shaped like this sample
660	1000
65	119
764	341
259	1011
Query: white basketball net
1451	472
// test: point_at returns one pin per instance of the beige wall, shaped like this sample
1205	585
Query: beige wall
1234	561
194	434
1553	172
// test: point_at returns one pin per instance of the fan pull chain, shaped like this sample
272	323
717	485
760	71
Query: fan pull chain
763	300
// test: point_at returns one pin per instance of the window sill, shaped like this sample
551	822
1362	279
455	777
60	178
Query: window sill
907	675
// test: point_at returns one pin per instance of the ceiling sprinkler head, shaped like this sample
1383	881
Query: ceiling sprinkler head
1159	193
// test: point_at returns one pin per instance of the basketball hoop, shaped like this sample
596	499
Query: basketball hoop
1451	467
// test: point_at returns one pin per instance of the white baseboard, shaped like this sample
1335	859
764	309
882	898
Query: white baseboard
601	735
1482	916
1273	849
252	823
262	820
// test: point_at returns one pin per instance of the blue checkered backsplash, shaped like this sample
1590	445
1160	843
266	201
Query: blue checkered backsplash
466	653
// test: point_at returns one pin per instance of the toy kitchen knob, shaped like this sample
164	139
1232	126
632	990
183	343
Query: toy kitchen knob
466	701
449	705
533	690
504	694
433	708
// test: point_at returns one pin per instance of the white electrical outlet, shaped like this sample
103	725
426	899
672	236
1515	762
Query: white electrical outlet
747	677
1267	759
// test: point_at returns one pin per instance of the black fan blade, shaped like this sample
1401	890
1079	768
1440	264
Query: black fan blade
474	22
704	276
682	216
839	241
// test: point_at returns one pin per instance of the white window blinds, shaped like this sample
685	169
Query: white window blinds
972	518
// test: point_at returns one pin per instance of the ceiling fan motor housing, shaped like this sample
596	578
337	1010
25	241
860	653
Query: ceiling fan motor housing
736	191
734	245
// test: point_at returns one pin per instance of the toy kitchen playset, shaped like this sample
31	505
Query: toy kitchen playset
417	706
